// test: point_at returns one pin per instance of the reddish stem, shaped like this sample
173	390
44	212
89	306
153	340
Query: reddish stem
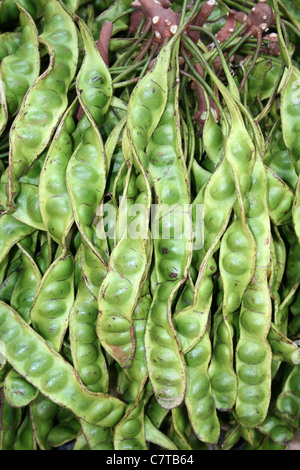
104	40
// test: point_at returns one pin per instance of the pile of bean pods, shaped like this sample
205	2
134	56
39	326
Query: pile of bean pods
111	341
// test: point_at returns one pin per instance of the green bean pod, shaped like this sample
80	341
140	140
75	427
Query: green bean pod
42	413
64	431
191	322
279	161
127	271
280	199
94	81
86	181
129	434
12	232
283	348
19	70
54	201
26	286
46	101
53	301
296	210
157	437
137	372
97	437
289	112
288	402
231	437
166	168
25	439
213	139
9	43
9	11
276	429
130	254
179	426
18	391
44	368
156	413
81	442
253	352
256	79
198	398
88	358
93	270
10	419
27	204
44	256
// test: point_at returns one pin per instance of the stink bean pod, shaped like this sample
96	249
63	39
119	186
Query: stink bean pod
253	353
9	43
87	165
18	391
36	121
19	70
166	168
94	81
54	201
26	286
25	438
288	402
88	358
129	433
53	301
199	399
55	378
97	437
10	419
42	412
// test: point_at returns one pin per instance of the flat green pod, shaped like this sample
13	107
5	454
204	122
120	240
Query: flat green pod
93	81
27	205
280	199
179	425
129	434
46	101
289	113
12	231
97	437
9	43
199	400
81	442
53	301
63	433
157	437
42	413
54	200
87	355
26	286
288	401
283	348
276	429
296	211
10	419
18	71
86	181
25	439
33	357
8	285
18	391
253	351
